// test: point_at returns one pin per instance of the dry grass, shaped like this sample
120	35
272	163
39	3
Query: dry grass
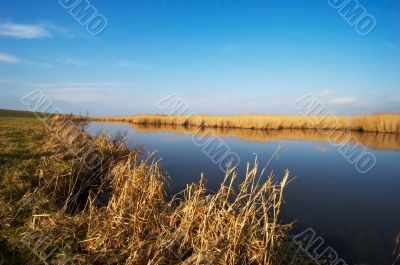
118	212
396	252
220	228
389	123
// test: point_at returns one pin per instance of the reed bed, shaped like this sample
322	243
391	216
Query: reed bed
200	228
118	213
385	122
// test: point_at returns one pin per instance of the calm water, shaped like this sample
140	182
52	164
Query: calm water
357	214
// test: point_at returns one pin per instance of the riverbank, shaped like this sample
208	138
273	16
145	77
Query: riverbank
59	204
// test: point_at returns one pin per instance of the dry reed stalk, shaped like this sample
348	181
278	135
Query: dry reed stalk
228	227
220	228
396	252
66	172
135	211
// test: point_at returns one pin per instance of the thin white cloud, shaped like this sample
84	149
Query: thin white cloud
325	93
82	97
11	59
8	81
82	92
343	101
43	65
72	61
7	58
60	31
395	100
391	45
23	31
101	84
83	86
275	103
128	65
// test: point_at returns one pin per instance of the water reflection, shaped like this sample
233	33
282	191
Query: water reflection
377	141
357	214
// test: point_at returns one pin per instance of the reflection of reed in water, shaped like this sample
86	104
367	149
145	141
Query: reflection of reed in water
380	141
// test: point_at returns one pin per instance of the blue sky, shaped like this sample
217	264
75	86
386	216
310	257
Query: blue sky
219	56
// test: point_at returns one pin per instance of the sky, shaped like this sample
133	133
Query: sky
218	56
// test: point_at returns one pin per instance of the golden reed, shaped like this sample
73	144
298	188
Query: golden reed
385	122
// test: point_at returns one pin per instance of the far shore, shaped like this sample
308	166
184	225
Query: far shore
380	123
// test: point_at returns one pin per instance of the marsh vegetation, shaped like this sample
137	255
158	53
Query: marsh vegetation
56	207
116	211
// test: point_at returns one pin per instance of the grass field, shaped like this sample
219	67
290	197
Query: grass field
22	114
21	139
385	122
20	144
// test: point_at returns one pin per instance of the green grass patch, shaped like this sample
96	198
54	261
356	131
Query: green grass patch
22	114
21	140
